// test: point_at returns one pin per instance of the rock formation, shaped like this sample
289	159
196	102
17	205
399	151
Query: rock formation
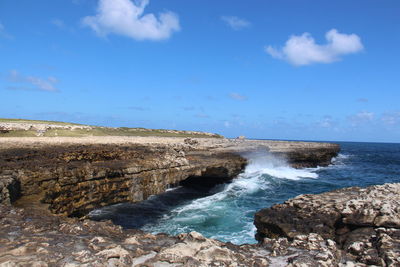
71	176
30	237
365	222
76	179
74	176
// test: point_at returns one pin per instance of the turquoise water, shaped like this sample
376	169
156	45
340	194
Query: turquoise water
226	211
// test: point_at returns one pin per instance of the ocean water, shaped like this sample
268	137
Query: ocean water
226	211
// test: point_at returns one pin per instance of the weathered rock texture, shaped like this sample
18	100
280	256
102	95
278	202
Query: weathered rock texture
72	176
76	175
33	238
365	222
76	179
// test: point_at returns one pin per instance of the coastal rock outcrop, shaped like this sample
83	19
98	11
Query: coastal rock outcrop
33	238
365	222
75	179
76	175
72	176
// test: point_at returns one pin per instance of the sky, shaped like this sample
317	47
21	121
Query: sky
273	69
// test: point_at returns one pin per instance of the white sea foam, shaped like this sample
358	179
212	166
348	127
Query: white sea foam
340	158
276	167
226	206
339	161
251	181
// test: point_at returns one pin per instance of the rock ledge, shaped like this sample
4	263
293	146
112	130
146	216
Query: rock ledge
365	222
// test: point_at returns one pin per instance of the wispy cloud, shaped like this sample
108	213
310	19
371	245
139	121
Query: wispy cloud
61	25
127	18
189	108
138	108
237	96
391	118
302	50
58	22
362	100
202	116
47	84
326	122
235	23
361	117
3	32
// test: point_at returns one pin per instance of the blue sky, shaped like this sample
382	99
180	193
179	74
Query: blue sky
305	70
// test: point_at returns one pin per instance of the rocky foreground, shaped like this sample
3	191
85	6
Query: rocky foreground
364	222
44	179
41	177
33	237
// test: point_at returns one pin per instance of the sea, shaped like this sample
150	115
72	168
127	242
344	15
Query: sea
226	211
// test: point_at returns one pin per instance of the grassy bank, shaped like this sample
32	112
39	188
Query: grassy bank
55	128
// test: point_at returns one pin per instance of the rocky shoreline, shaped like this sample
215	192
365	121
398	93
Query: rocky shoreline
76	175
364	222
32	237
47	186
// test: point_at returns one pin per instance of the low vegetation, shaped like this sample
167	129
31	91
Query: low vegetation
34	128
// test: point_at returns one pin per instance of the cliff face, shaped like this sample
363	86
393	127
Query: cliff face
73	176
76	179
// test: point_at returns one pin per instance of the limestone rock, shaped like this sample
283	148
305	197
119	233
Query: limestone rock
364	222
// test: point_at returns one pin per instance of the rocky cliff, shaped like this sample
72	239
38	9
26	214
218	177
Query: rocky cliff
71	176
76	175
75	179
364	222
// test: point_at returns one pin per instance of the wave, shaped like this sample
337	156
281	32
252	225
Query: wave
276	167
341	157
227	213
250	181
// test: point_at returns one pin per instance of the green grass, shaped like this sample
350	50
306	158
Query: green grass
96	131
38	121
19	133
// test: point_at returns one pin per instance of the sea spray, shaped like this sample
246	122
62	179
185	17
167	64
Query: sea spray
266	163
223	212
226	211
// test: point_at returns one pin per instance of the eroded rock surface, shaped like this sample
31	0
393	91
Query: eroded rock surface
76	175
31	238
365	222
75	179
73	176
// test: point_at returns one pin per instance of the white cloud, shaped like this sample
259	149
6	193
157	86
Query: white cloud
361	117
302	50
235	22
326	122
237	96
38	83
124	17
391	118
